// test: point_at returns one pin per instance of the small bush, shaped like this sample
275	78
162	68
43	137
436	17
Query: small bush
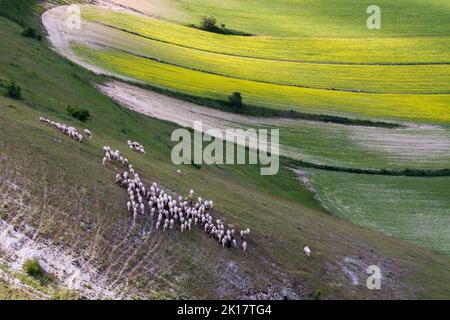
316	295
211	24
3	216
81	114
236	101
13	91
33	268
208	23
31	33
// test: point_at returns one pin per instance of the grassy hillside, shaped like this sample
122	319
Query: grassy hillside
8	293
65	196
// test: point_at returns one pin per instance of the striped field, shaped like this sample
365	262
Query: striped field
413	209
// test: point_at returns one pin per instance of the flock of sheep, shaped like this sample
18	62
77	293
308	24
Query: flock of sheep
70	131
168	210
136	146
155	201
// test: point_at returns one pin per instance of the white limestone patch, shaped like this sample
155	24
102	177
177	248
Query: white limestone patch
19	247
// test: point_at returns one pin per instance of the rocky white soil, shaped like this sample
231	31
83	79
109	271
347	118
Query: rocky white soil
18	247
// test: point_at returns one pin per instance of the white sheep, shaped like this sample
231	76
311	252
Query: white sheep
171	209
88	133
307	251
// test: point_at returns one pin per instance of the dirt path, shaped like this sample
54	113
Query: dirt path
184	113
60	36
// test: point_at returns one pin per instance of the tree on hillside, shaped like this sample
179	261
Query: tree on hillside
31	33
208	23
81	114
236	101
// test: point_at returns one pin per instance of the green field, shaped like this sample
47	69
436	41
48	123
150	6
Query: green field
383	79
208	65
431	108
413	209
363	147
373	50
307	18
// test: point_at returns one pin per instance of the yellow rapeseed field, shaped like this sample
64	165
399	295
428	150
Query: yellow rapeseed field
434	108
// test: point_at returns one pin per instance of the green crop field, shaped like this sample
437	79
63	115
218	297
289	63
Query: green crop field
307	18
362	147
413	209
374	49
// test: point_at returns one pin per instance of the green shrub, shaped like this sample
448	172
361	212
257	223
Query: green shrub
316	295
236	101
33	268
81	114
31	33
13	90
208	23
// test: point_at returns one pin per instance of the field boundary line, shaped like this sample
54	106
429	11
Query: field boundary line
386	64
262	81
